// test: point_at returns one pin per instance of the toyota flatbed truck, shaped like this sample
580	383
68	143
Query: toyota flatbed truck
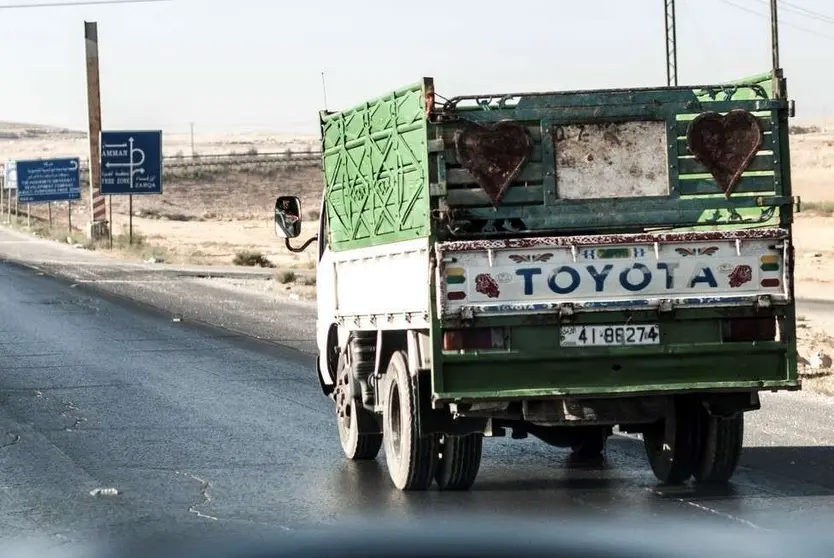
554	264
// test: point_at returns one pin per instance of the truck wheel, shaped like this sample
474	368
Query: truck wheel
459	462
591	445
358	428
672	444
411	458
720	449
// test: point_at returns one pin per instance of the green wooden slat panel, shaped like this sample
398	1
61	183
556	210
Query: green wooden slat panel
683	125
449	130
475	197
767	144
746	185
375	165
603	97
452	158
531	172
604	113
605	214
534	172
691	166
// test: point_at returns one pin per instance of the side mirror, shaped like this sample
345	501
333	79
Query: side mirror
287	217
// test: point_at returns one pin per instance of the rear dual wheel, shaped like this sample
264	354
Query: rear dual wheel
692	443
415	460
359	431
460	460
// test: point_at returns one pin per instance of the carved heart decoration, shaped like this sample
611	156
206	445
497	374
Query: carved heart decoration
494	154
725	145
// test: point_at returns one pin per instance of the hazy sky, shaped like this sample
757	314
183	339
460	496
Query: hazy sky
256	64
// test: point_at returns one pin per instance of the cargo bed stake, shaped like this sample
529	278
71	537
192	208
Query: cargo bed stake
738	247
573	252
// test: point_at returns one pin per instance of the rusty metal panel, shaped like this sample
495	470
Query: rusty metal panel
611	160
725	144
493	154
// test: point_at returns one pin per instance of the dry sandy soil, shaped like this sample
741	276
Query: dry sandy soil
212	215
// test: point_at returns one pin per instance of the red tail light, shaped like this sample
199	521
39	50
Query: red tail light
749	329
474	338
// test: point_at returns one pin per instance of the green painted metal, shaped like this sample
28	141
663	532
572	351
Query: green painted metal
380	174
375	166
387	168
692	201
691	356
602	215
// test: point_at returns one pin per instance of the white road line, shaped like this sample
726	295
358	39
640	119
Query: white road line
123	281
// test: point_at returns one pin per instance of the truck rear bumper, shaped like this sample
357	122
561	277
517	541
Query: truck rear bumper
504	376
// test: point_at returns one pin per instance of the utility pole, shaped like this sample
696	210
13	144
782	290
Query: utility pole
778	81
672	44
324	90
98	226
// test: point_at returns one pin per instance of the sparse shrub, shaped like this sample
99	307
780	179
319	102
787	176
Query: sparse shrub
251	259
824	208
798	130
180	217
285	277
252	151
313	214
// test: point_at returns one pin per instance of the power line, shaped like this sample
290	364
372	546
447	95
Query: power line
804	29
77	3
803	12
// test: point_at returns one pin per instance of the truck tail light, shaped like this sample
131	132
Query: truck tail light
749	329
474	338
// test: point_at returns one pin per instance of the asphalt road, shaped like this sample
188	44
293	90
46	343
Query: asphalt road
204	430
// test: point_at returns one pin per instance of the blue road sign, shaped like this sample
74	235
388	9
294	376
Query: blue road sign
131	162
47	180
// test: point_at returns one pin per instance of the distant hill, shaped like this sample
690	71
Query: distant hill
21	130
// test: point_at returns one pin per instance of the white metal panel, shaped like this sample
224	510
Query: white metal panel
381	280
610	277
614	160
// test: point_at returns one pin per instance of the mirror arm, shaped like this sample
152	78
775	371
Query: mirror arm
303	246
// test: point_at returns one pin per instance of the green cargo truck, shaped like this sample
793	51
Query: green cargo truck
554	264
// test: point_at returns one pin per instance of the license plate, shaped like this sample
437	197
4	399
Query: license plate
609	335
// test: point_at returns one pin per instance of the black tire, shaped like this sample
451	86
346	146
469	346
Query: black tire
591	444
359	431
722	440
672	445
459	462
411	458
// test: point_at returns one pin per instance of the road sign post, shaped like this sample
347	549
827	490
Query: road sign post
98	226
48	180
9	184
131	163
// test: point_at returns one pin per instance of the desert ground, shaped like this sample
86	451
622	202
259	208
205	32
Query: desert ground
223	215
